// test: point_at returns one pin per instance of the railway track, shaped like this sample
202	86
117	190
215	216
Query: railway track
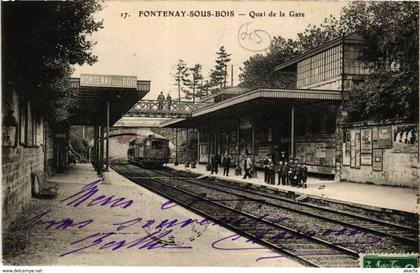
219	201
404	233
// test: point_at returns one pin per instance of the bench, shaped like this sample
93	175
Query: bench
40	187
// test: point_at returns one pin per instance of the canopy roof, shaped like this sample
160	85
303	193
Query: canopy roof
92	93
262	99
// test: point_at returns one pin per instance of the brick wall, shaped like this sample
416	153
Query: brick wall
17	165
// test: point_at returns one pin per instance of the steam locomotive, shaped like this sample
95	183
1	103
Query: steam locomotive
149	152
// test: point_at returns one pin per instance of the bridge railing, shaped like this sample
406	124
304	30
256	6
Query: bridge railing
154	108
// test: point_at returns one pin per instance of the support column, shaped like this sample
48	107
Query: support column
217	138
209	146
238	141
187	163
107	135
101	156
292	132
176	147
95	146
253	148
198	146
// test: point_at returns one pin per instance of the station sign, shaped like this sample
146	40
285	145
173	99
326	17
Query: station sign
97	80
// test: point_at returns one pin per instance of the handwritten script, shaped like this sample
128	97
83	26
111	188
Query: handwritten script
253	38
153	234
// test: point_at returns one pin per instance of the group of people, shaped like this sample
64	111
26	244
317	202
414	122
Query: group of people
290	173
216	160
161	101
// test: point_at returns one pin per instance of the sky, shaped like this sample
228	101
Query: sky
136	42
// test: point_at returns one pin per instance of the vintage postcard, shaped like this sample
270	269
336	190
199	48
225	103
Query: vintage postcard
212	134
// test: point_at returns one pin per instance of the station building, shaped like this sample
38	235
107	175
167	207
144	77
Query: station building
33	141
308	122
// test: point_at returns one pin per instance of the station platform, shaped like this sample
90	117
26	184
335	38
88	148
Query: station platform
365	195
47	229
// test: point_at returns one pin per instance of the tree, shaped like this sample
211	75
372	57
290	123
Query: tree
218	75
258	70
181	77
391	51
390	34
314	36
195	83
40	43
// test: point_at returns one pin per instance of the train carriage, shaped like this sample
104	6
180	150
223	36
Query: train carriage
149	152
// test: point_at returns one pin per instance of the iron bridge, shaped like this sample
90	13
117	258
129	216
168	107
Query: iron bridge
158	109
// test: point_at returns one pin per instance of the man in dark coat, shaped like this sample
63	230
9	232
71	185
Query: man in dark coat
271	174
161	100
215	160
291	172
226	164
267	162
303	175
168	101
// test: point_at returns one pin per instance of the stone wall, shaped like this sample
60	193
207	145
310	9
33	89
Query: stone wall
17	165
392	158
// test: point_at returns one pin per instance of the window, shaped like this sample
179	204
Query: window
157	144
353	63
31	128
321	67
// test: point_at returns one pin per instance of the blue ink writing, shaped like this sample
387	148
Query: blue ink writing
149	242
89	191
63	224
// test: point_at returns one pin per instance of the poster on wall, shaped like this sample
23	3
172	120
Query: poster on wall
352	148
366	141
346	149
321	149
346	154
382	137
365	159
357	152
377	161
405	138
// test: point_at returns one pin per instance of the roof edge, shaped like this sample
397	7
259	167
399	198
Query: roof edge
313	51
